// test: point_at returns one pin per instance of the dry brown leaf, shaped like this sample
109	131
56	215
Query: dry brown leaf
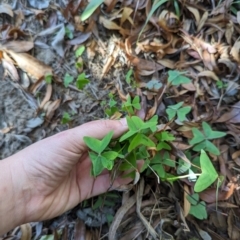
229	32
126	15
202	21
19	46
235	51
51	107
30	65
195	13
26	230
233	232
6	130
47	96
11	70
187	204
189	86
233	116
7	9
209	74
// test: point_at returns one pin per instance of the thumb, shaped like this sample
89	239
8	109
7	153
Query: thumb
97	129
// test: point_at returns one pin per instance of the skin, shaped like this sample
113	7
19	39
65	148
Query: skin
52	176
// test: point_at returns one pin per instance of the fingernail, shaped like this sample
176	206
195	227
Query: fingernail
123	121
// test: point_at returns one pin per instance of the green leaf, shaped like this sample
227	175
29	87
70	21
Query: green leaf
91	7
98	145
98	203
93	143
67	80
127	135
138	122
110	155
112	102
165	136
97	166
199	211
176	78
176	106
107	163
106	140
197	136
129	76
65	118
163	145
210	133
209	174
136	103
183	166
171	113
140	139
132	124
210	147
182	112
200	146
155	6
48	78
193	199
82	81
80	51
159	169
154	85
68	33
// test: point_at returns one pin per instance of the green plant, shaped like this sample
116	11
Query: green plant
80	51
111	106
66	118
198	208
129	76
176	78
67	80
221	85
82	81
176	6
131	105
202	140
68	33
48	78
178	110
91	7
154	85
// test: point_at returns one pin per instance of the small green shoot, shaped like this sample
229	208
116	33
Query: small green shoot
100	159
68	33
178	110
80	51
221	85
48	78
176	78
164	137
66	118
131	105
201	141
67	80
129	76
208	175
176	6
198	209
91	7
82	81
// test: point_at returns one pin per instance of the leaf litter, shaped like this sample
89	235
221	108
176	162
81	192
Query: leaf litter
180	52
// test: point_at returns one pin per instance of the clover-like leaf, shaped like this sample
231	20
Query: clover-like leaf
140	139
176	78
199	211
182	112
210	133
197	136
97	166
209	174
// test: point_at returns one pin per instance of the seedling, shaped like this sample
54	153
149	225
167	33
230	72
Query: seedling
198	208
67	80
202	140
129	76
66	118
48	78
131	105
221	85
163	138
112	109
80	51
176	78
154	85
68	33
82	81
178	110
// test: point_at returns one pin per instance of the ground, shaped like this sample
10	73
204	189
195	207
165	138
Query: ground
195	40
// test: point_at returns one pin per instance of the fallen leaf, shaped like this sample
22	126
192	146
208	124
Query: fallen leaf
7	9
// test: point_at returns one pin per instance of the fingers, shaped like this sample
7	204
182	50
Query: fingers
97	129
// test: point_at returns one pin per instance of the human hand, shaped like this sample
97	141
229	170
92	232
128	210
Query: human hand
53	175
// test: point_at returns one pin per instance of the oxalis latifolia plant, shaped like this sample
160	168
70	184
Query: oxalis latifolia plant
146	141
